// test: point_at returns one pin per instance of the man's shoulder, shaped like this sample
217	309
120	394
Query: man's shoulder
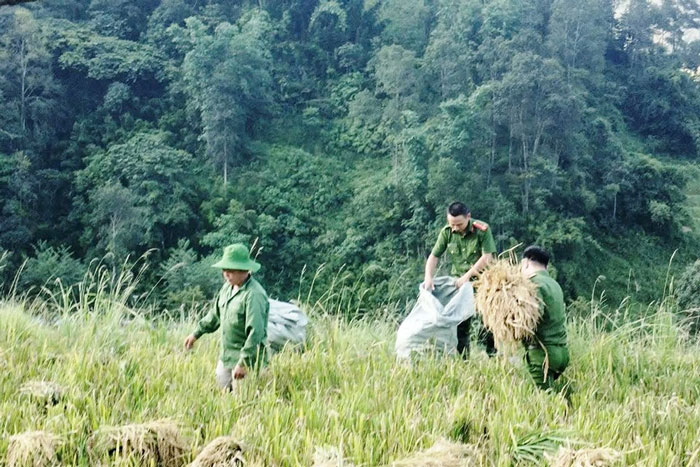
480	225
547	284
256	288
445	231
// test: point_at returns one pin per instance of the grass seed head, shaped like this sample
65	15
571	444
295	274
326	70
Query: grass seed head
330	456
32	449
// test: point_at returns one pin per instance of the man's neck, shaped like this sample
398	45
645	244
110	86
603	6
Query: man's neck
535	269
238	286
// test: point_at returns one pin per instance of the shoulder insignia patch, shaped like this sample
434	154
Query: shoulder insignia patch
483	226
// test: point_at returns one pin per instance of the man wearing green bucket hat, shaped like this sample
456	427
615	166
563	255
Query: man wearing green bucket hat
241	311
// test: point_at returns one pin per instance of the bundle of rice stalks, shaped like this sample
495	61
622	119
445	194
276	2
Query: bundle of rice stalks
224	451
442	454
158	442
45	392
507	302
597	457
32	449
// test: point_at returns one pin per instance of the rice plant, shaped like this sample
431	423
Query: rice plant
632	388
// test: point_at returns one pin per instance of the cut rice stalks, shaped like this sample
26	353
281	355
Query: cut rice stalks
44	392
442	454
507	302
158	442
595	457
32	449
223	451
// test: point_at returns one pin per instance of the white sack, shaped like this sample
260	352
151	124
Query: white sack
432	324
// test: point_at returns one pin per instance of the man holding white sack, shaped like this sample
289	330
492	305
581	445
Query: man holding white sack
470	245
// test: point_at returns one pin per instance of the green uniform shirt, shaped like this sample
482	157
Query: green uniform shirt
242	317
552	327
464	249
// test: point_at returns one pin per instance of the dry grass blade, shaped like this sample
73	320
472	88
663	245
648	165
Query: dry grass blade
442	454
158	442
43	391
32	449
595	457
507	302
223	451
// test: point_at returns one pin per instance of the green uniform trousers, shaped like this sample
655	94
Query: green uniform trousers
546	367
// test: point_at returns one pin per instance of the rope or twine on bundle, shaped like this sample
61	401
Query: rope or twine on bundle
507	302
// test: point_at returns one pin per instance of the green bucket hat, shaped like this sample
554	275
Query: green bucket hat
236	257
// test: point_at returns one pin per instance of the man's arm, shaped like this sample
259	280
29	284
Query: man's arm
432	261
430	267
209	323
479	266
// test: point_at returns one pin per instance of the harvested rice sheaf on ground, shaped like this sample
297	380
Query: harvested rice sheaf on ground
159	442
32	449
442	454
508	302
597	457
44	391
223	451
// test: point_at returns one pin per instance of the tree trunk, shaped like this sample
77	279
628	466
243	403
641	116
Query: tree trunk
493	147
23	88
225	162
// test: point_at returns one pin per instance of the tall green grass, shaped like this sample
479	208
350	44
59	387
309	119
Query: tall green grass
632	386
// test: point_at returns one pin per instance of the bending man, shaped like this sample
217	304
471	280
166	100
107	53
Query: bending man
547	354
470	246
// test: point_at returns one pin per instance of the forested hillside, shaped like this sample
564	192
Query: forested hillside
334	133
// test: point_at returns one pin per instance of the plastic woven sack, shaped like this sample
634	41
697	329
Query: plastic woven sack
286	323
432	323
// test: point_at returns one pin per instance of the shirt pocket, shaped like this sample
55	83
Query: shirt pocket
453	250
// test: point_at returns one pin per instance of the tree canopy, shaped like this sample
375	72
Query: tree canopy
333	133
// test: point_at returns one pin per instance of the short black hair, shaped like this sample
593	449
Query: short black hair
458	209
537	254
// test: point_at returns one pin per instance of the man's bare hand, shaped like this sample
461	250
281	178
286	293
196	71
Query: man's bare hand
428	284
189	341
239	372
461	281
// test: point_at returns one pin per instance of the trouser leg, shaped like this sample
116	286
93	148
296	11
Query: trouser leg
485	338
463	329
546	366
224	377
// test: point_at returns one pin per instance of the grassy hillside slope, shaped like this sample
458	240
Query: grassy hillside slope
635	390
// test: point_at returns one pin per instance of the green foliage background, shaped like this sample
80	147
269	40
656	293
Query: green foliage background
333	134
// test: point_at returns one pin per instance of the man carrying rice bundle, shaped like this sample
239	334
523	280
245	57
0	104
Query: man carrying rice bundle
469	243
241	310
547	354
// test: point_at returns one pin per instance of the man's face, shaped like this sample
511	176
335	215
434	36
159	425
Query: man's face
458	223
235	277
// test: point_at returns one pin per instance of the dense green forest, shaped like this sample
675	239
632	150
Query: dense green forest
333	133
